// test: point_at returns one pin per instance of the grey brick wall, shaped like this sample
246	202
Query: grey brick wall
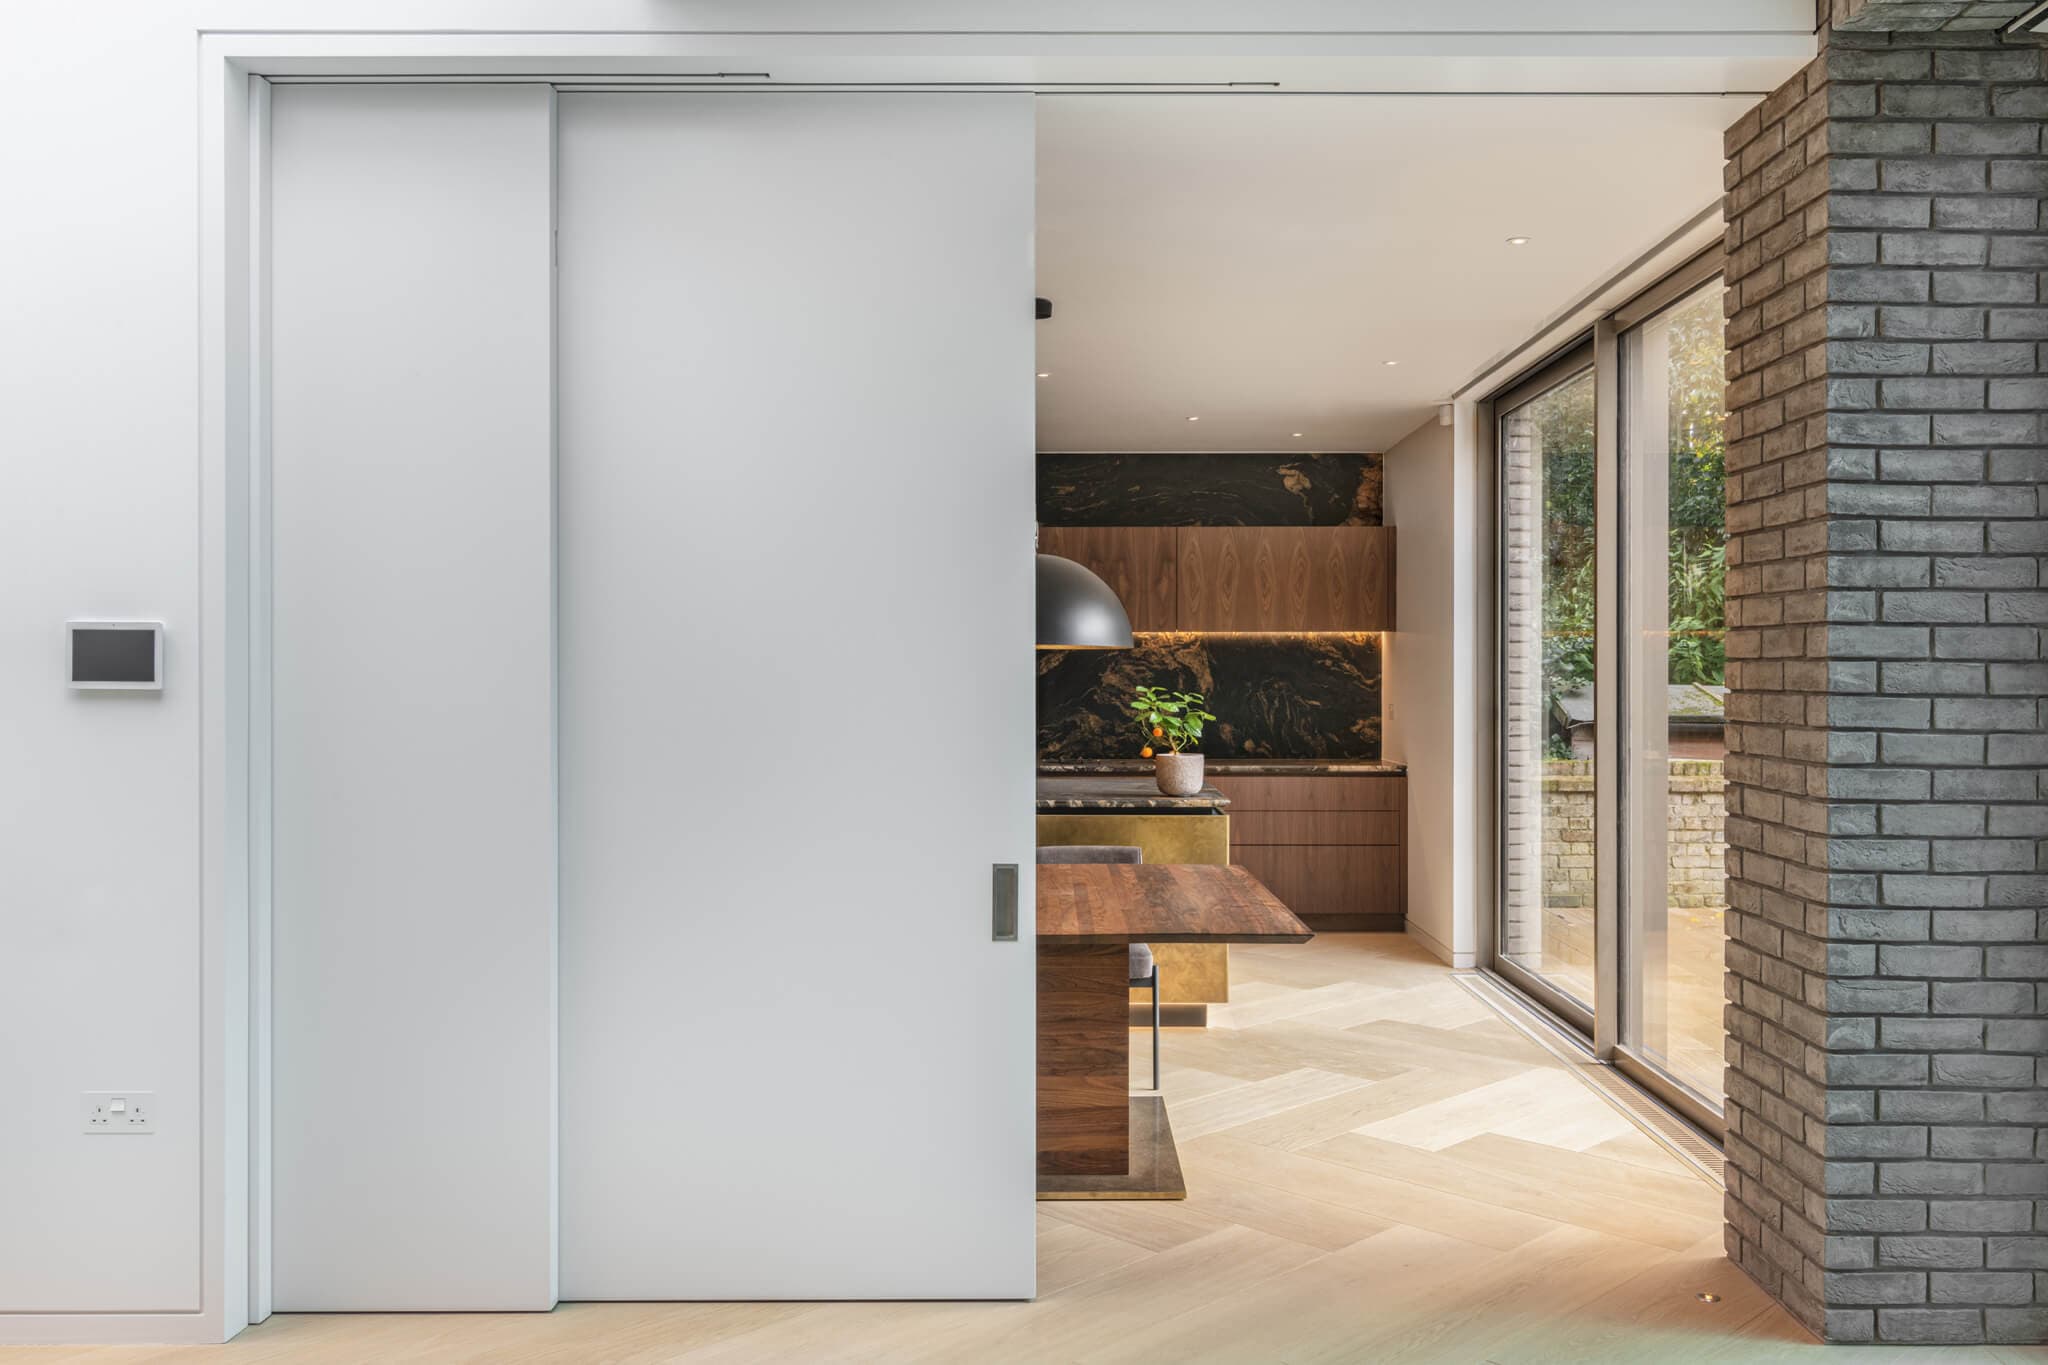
1523	720
1951	16
1888	969
1777	435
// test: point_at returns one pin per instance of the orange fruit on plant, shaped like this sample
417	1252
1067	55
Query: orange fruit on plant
1157	732
1145	752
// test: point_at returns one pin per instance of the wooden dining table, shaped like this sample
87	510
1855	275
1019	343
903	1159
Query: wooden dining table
1096	1140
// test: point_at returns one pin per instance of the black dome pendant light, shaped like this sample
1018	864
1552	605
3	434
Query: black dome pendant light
1077	610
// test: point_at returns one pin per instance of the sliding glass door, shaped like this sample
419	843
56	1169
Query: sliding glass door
1673	661
1611	648
1546	445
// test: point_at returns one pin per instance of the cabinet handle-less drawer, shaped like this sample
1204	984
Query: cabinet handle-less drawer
1315	827
1310	793
1327	881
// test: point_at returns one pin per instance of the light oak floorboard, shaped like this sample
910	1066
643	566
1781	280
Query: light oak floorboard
1594	1210
1414	1205
1069	1253
1680	1192
1637	1149
1373	1006
1321	1120
1275	1002
1529	1100
1259	1099
1153	1224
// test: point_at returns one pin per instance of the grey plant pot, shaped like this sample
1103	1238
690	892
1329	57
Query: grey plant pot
1178	774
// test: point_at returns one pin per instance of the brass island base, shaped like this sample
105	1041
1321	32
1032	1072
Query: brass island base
1192	976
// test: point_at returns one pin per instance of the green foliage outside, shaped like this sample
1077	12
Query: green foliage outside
1698	557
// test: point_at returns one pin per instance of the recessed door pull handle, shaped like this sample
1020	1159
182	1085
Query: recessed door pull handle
1005	903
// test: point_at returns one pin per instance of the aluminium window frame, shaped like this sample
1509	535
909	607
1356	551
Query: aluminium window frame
1598	349
1575	358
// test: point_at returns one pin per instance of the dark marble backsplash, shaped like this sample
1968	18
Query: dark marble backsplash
1275	696
1208	489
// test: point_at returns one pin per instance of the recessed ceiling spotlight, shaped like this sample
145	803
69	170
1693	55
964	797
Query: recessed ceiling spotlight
1194	419
1518	241
1297	434
1390	362
1045	374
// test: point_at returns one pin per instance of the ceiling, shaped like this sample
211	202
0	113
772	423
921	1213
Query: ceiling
1254	261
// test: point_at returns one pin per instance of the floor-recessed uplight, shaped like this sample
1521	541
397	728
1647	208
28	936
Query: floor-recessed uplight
1518	241
1707	1296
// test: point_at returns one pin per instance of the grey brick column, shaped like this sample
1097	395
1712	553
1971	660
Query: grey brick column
1951	16
1888	699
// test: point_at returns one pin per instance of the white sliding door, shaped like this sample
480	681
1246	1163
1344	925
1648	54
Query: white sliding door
415	871
796	633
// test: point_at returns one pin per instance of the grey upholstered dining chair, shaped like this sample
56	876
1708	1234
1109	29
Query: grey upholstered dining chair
1144	967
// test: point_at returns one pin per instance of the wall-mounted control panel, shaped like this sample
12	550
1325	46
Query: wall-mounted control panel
119	656
119	1111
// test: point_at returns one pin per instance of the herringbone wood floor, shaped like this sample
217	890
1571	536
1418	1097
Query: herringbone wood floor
1379	1169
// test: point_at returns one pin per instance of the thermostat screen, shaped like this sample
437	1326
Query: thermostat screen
113	656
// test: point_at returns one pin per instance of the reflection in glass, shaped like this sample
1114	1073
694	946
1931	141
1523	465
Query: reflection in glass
1674	882
1546	450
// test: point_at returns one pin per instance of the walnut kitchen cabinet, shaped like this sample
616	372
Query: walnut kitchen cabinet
1286	578
1332	848
1240	578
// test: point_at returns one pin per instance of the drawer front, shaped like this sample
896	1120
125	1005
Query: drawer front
1311	793
1316	827
1329	880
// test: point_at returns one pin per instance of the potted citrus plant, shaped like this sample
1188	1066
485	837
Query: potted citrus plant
1172	722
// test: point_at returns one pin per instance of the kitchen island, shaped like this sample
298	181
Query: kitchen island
1329	835
1097	792
1123	808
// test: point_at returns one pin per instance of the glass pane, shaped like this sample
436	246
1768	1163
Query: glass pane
1674	883
1547	687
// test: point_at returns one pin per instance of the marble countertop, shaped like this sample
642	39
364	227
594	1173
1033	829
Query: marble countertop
1084	792
1226	767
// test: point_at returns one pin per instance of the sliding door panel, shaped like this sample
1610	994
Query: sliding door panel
412	525
796	500
1613	525
1674	878
1547	665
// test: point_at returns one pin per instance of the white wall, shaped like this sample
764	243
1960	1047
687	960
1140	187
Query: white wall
100	907
1422	695
413	879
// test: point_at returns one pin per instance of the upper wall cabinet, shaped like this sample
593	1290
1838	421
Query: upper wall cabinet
1259	578
1240	578
1140	563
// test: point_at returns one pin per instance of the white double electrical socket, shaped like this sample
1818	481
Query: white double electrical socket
120	1111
